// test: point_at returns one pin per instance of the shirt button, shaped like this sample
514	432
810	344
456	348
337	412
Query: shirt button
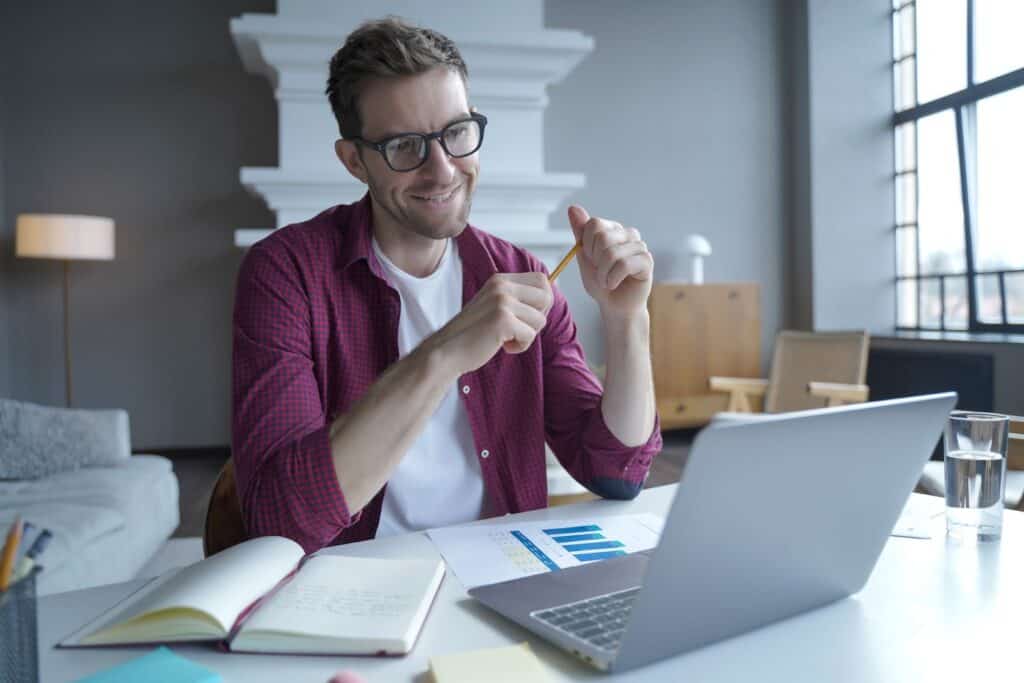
465	388
484	453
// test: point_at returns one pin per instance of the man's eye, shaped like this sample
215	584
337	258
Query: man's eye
455	132
404	146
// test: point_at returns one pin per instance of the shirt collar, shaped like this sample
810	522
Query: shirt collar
356	238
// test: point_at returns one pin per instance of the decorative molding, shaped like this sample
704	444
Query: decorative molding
512	66
512	206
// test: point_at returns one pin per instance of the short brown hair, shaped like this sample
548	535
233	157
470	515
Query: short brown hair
384	48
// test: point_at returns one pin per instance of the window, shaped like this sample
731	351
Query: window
958	92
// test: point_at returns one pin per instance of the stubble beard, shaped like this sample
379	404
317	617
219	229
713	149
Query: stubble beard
409	221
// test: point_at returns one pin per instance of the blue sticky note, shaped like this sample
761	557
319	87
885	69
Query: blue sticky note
159	666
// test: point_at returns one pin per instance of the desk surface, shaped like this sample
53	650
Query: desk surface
932	608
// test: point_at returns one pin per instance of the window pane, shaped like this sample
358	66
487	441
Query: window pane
941	222
999	236
941	48
956	303
990	307
906	198
931	306
906	303
1015	298
906	250
906	147
904	91
998	47
903	32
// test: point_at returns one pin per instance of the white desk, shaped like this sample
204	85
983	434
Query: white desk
931	609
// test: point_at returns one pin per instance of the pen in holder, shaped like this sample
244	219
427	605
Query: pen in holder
19	652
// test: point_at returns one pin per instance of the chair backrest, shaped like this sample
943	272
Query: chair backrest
803	357
225	526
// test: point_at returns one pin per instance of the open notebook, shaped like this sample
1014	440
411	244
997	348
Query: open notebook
265	596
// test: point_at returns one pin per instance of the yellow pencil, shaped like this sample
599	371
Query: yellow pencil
10	552
564	262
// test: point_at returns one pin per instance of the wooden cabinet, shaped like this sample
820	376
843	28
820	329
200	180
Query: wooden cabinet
698	331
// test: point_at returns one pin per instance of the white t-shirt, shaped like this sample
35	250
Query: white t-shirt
438	481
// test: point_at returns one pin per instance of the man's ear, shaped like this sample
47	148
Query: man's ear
348	154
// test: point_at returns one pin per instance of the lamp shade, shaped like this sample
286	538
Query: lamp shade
63	236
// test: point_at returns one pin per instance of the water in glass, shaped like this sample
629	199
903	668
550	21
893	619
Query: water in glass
974	494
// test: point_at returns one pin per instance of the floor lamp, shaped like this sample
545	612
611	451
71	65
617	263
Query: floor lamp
66	238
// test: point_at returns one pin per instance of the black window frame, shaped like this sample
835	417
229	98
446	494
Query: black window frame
963	104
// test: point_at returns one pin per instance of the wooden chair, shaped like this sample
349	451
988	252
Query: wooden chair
809	370
1015	462
225	526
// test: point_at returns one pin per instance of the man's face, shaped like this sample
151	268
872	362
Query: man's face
433	200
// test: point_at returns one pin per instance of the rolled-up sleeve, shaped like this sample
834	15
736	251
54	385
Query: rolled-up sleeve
574	424
287	483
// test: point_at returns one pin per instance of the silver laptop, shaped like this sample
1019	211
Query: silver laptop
773	517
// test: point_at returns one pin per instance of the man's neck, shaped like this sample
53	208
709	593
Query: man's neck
414	254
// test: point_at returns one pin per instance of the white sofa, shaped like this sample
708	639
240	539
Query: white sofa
107	521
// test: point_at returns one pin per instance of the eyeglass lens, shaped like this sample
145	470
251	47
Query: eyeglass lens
408	151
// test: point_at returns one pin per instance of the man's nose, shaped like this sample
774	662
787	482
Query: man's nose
438	165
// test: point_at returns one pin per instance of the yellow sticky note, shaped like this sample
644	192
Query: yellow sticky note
512	664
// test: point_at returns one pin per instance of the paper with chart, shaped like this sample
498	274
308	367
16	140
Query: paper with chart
488	553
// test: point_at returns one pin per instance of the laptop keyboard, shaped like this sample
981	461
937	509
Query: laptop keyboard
599	621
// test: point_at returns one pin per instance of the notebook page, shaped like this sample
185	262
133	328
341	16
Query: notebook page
222	585
359	604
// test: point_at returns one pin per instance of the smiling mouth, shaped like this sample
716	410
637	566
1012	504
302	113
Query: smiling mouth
437	199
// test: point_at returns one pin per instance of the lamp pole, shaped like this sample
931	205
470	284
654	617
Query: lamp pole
67	336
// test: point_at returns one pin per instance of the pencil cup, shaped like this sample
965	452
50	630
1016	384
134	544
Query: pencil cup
19	652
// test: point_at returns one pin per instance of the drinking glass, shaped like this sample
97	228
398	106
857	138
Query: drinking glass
975	450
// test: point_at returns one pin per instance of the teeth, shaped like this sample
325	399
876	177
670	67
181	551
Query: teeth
436	197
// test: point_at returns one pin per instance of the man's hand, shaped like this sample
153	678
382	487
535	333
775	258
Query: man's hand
507	313
616	267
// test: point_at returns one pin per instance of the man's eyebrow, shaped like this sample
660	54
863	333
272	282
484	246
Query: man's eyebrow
391	134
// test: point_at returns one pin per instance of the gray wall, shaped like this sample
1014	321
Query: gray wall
6	246
839	140
851	163
141	112
677	120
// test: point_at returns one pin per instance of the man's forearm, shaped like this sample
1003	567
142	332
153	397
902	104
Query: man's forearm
369	441
628	402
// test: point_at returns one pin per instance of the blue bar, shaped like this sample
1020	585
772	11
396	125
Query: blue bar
540	555
572	530
595	546
576	538
590	557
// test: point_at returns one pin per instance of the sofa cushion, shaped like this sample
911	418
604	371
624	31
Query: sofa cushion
74	526
37	441
107	521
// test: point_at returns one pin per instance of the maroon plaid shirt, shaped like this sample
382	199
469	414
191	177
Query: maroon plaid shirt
316	323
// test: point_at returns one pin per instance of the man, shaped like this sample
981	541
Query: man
396	369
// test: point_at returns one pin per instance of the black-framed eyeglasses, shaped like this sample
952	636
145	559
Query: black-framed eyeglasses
409	151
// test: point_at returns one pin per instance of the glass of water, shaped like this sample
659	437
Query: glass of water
975	475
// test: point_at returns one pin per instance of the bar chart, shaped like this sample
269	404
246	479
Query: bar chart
499	552
586	543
